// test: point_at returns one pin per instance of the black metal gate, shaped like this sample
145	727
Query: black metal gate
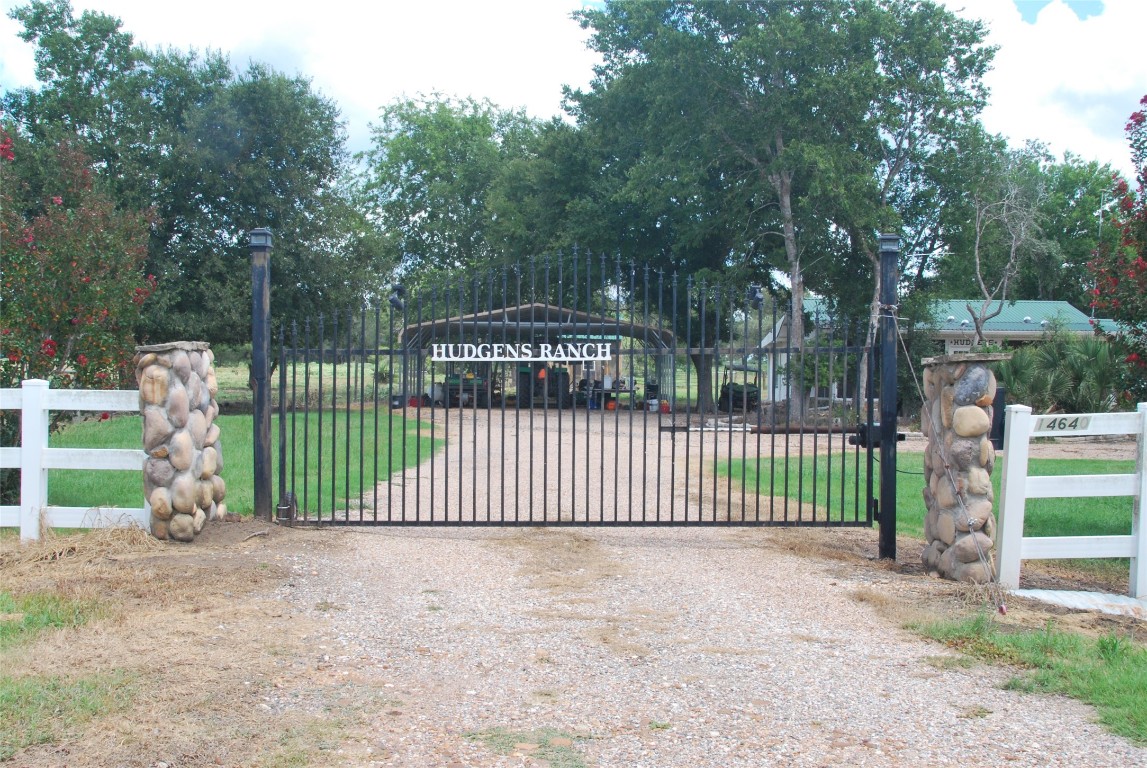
574	392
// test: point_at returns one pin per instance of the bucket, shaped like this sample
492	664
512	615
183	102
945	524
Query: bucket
665	406
611	405
653	405
412	402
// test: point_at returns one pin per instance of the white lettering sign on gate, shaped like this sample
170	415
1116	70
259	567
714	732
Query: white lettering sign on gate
548	353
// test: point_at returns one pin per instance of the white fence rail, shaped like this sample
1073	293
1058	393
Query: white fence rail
1017	487
34	458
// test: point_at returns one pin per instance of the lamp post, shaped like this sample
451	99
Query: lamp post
260	244
889	266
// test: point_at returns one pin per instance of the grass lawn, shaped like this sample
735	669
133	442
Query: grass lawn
125	489
1109	672
1043	517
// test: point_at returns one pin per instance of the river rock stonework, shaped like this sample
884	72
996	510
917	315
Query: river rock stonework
960	526
177	399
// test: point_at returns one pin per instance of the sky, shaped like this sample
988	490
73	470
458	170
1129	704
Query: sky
1068	72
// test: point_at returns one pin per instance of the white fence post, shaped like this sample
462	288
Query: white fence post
1017	436
1017	487
34	458
1138	584
33	441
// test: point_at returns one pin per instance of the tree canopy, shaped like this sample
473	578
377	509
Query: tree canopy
215	152
741	143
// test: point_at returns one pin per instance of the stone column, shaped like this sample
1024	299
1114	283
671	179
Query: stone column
957	416
177	399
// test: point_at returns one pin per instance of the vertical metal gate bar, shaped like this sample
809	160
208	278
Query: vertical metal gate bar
489	390
632	391
589	383
307	412
774	360
446	292
390	412
347	406
473	405
282	420
688	387
645	420
449	397
362	412
729	433
518	402
828	438
545	400
573	413
701	406
601	457
788	406
404	431
531	384
294	407
562	384
761	383
845	406
718	298
659	372
504	389
745	411
321	408
616	414
433	412
334	408
673	405
418	434
816	359
871	352
804	407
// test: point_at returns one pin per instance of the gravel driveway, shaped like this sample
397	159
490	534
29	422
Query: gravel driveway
655	647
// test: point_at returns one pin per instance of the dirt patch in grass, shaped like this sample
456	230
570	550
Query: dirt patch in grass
904	600
219	674
563	560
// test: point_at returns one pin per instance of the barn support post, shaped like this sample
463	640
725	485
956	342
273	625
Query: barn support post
889	262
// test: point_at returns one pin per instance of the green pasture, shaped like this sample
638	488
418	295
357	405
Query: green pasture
389	439
1043	517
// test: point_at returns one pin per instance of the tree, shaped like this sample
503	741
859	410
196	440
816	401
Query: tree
991	221
216	153
258	149
1120	272
1073	218
769	132
73	278
429	175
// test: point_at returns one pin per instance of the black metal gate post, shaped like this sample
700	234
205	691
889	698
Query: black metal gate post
260	350
889	263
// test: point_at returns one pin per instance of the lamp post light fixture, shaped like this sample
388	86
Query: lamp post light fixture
260	245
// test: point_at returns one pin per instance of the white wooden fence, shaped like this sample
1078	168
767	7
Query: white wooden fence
1016	487
34	458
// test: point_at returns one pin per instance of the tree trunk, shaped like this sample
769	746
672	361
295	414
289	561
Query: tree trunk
783	183
873	325
703	363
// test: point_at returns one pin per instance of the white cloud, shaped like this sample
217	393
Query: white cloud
1066	82
517	53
